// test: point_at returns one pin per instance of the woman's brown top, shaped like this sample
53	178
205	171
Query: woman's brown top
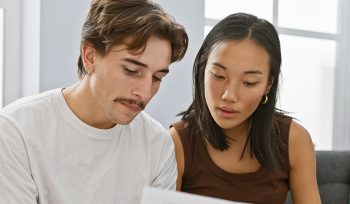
202	176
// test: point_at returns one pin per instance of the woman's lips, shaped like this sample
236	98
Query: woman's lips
227	112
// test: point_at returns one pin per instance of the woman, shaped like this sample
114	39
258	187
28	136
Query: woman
232	142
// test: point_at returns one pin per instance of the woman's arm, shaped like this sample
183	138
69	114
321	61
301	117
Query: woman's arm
302	176
180	158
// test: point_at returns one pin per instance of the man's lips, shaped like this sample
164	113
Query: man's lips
131	103
132	106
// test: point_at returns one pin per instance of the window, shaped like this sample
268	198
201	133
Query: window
308	34
11	49
1	56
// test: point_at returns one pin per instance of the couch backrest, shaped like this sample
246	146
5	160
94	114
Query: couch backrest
333	176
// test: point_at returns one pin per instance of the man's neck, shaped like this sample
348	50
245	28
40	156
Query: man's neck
82	103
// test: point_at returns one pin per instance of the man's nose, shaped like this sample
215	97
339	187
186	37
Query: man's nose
143	89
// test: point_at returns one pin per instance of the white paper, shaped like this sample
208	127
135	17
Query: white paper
159	196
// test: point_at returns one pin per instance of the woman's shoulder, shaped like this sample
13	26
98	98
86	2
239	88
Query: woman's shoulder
183	131
300	145
282	119
298	135
289	127
182	128
281	126
181	125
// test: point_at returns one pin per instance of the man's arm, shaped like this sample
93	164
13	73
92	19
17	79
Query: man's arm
16	183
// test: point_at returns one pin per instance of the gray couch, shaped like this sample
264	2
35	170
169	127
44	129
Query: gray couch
333	177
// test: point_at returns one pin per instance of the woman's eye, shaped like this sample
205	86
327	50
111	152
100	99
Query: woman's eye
216	76
249	84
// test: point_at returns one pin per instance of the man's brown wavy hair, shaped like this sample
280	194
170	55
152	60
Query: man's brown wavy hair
130	22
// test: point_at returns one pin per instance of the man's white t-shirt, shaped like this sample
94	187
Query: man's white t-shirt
49	156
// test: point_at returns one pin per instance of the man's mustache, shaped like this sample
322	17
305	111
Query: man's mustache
139	103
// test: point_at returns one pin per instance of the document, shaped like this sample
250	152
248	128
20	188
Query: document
159	196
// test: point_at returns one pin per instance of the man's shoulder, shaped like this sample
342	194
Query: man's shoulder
30	105
150	127
144	119
30	101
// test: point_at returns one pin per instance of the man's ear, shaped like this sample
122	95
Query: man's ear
88	55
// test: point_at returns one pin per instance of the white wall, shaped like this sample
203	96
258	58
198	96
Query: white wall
175	93
12	50
341	130
30	55
61	23
42	40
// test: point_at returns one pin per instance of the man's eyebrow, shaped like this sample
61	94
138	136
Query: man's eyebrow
135	62
165	70
138	63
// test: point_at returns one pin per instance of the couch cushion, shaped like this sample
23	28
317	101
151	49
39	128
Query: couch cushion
333	177
333	167
334	193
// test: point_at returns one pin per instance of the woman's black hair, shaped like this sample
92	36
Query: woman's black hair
263	140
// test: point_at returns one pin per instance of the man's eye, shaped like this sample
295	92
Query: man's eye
129	71
157	79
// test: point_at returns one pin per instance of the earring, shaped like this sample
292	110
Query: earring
87	71
265	99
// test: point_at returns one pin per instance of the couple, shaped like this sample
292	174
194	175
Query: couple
92	142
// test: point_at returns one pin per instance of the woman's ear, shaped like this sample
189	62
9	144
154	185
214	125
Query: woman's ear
88	55
269	85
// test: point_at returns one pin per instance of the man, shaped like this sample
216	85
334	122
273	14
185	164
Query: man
91	142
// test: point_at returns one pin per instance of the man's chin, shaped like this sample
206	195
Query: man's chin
127	121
